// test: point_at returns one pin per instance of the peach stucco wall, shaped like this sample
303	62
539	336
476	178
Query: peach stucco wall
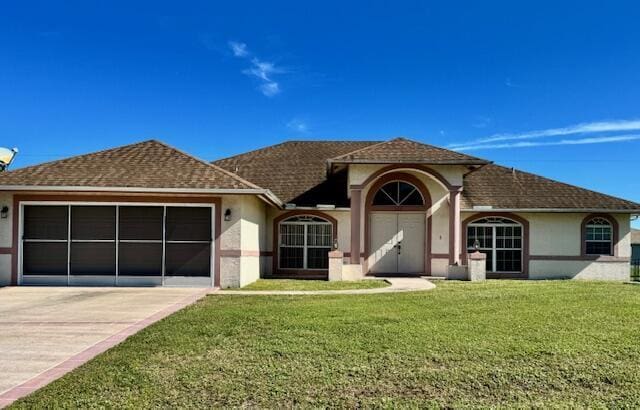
246	240
241	240
556	235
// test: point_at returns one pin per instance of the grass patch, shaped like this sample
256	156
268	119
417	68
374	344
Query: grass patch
499	343
297	284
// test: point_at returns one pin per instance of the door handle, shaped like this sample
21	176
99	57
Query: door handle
399	247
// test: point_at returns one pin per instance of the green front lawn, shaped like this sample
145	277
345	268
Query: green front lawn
499	343
296	284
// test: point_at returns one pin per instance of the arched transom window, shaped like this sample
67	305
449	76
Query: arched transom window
598	238
304	243
500	239
398	193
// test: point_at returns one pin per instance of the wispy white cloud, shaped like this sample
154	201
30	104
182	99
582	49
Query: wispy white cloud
270	89
238	49
527	144
584	128
262	70
298	125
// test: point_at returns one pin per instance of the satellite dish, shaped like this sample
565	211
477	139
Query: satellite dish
6	157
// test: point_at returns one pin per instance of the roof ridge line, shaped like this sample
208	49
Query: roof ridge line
360	149
291	141
217	168
445	149
248	152
332	141
412	141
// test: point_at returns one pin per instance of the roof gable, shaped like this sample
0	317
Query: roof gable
402	150
148	164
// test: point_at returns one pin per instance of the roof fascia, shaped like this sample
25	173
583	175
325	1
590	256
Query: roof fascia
378	162
554	210
256	191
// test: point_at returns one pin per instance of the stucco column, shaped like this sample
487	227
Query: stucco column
356	197
455	236
335	265
477	266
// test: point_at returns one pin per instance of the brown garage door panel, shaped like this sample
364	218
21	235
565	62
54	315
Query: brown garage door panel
93	223
46	222
188	259
93	258
140	259
45	258
106	242
141	223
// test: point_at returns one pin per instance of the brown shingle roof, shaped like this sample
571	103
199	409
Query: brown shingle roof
402	150
507	188
296	171
148	164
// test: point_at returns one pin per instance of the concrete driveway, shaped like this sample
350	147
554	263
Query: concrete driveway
47	331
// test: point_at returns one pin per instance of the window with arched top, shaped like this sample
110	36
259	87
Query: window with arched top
598	237
398	193
304	243
500	239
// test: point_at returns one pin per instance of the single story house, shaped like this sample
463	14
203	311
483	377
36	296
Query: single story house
149	214
635	245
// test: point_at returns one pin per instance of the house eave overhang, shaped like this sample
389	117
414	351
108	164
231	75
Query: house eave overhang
423	162
264	194
554	210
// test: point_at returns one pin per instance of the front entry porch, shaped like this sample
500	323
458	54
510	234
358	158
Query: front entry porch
399	217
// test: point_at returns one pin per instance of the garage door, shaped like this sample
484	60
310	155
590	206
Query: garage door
116	245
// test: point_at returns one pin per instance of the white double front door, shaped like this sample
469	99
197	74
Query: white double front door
397	242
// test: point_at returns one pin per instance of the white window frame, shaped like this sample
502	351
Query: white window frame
590	224
494	249
117	205
305	247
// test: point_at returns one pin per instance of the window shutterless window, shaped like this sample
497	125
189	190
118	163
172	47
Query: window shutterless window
305	243
501	240
599	237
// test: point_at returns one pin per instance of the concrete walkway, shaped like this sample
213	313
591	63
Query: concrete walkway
397	285
45	332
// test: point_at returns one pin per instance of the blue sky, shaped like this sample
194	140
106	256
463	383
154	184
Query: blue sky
219	79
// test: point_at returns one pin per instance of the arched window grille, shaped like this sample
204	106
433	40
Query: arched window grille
398	193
